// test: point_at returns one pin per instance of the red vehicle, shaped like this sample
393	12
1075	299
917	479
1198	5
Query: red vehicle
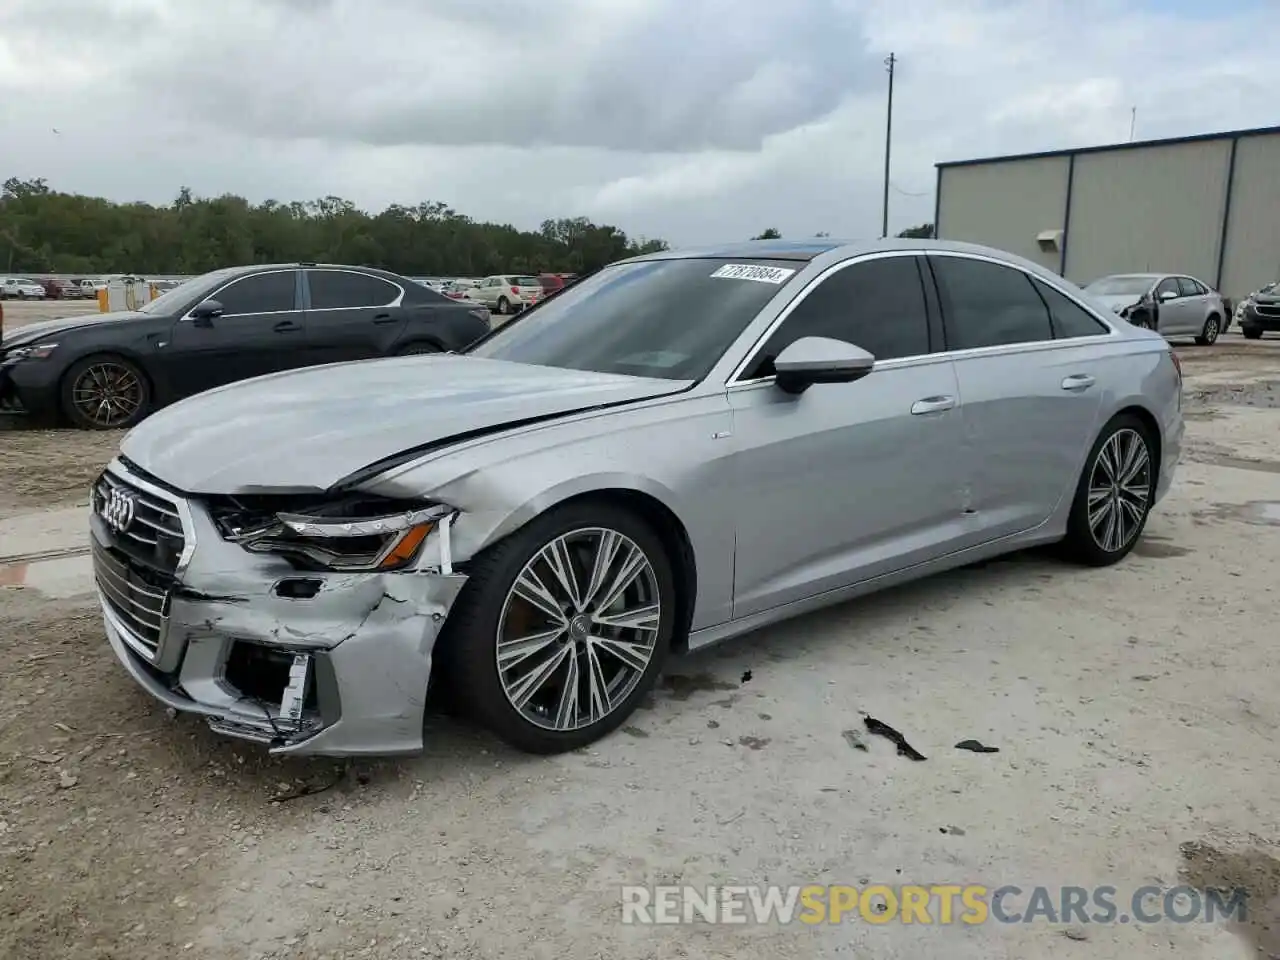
555	282
59	289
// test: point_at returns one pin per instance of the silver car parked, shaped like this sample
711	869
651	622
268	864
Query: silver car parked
677	450
1175	306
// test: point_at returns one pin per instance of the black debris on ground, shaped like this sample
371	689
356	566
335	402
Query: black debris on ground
882	729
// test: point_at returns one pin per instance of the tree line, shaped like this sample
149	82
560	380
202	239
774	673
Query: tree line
923	231
46	231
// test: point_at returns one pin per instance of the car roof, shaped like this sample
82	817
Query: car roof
806	250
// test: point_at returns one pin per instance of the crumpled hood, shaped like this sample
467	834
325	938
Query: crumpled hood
34	332
1115	303
1270	299
304	430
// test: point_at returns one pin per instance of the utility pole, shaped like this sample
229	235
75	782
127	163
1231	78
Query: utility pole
1133	123
890	62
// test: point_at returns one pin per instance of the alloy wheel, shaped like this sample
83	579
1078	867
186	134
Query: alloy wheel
1119	490
107	394
1211	330
578	629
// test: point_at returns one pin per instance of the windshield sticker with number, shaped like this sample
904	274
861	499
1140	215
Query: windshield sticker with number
753	271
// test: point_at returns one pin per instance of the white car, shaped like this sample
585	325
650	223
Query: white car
506	293
18	288
457	289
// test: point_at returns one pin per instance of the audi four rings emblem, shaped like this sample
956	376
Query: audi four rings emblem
117	510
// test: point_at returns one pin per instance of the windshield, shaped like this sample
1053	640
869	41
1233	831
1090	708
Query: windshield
188	294
1270	287
1121	286
526	282
670	319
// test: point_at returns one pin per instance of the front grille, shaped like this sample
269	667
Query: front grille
137	596
1267	309
153	534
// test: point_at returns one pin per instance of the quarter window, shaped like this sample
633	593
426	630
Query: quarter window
877	305
989	305
339	289
1069	318
260	293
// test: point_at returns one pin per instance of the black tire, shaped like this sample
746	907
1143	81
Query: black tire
468	648
1212	327
504	306
1251	333
131	388
418	347
1082	540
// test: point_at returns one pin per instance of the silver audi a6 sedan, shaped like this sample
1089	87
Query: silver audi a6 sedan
676	450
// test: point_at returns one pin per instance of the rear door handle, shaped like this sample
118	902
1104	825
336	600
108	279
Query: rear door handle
932	405
287	326
383	318
1078	381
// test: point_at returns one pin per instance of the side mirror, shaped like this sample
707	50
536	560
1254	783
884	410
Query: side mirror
813	360
1167	295
202	313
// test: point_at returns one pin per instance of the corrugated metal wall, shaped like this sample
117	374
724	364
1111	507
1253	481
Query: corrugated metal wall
1136	209
1005	205
1152	209
1253	230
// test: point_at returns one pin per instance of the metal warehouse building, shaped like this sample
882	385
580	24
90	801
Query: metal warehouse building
1208	206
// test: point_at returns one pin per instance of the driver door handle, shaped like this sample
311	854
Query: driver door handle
287	326
1078	381
932	405
383	318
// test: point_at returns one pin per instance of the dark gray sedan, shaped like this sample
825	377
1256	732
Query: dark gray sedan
110	370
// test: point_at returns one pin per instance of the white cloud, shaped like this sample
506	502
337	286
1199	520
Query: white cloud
693	120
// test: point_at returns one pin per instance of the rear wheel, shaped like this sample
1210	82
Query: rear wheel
562	628
1212	327
504	306
105	393
1114	495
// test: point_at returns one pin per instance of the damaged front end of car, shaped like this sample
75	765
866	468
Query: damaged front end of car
303	621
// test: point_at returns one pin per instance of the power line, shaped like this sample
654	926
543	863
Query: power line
908	193
890	62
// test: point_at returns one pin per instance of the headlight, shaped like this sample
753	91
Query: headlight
37	352
355	534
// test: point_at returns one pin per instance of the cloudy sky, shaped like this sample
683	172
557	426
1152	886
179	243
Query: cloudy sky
692	120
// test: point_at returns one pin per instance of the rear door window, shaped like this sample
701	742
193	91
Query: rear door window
988	304
1069	318
1189	288
341	289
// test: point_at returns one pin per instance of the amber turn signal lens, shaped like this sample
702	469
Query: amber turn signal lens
407	547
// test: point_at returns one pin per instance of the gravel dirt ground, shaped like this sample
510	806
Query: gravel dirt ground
1134	710
17	313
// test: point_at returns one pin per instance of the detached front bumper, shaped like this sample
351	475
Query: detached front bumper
306	663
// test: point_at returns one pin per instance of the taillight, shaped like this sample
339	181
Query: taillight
516	291
1177	364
